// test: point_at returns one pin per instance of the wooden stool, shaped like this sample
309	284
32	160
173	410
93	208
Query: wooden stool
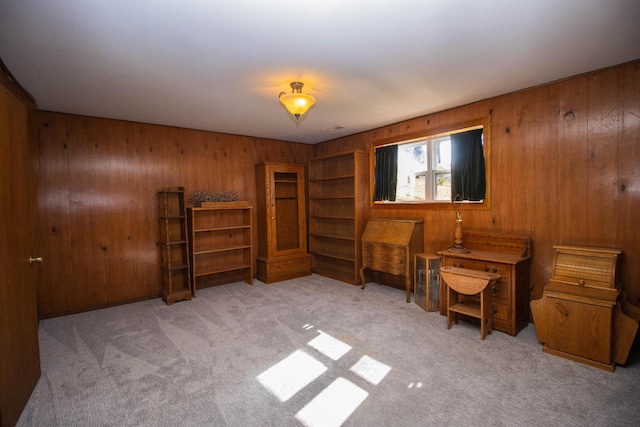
469	282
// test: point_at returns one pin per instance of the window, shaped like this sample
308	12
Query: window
424	170
436	169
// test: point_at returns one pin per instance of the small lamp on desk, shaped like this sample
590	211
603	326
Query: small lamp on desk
458	246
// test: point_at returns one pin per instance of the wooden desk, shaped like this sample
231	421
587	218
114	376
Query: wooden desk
508	255
389	245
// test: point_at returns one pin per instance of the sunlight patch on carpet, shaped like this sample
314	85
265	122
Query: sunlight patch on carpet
290	375
333	405
329	346
370	369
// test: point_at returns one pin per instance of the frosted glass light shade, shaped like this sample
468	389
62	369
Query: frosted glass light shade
297	103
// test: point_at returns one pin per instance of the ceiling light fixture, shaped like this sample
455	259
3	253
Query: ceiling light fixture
296	102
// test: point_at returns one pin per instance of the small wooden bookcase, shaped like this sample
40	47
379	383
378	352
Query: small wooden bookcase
220	244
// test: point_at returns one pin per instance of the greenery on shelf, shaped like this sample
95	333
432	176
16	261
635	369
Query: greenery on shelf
198	197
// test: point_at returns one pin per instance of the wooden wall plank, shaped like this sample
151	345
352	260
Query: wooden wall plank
149	149
531	120
55	217
572	175
545	154
504	136
602	158
628	185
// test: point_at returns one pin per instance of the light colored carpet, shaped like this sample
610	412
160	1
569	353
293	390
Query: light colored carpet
315	352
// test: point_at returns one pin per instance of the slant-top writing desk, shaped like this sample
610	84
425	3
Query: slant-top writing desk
389	245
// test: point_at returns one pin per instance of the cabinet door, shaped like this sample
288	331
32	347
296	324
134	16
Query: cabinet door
580	329
288	211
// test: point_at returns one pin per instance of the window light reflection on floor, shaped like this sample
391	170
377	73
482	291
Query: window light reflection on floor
333	405
290	375
370	369
329	346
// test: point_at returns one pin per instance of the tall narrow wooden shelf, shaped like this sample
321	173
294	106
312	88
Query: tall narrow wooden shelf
338	198
176	282
282	222
220	244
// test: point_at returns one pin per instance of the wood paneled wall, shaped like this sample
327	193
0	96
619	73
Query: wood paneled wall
565	168
97	203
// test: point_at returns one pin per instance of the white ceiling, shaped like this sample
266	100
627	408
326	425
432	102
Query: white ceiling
220	65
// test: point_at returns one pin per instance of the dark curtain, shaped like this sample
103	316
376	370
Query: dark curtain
386	173
468	179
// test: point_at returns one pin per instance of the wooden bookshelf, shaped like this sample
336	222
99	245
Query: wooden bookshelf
338	198
176	283
220	244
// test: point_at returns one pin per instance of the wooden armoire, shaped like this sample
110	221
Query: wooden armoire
282	222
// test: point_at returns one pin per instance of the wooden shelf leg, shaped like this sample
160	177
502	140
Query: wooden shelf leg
407	284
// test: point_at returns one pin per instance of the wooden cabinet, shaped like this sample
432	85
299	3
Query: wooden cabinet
507	255
220	244
579	316
338	213
426	281
390	245
176	283
282	222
